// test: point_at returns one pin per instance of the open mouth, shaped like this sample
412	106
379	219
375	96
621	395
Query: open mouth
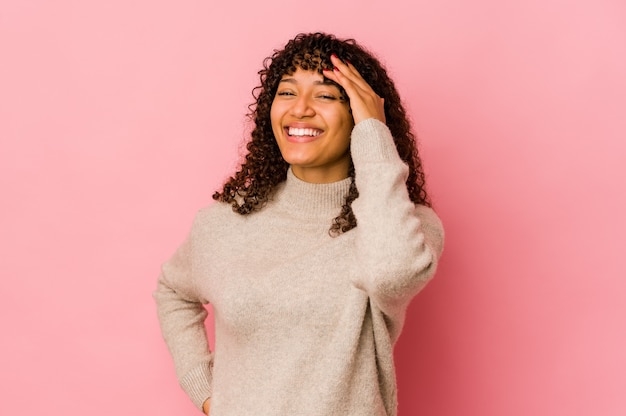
303	132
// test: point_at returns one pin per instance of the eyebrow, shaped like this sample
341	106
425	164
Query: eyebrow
325	81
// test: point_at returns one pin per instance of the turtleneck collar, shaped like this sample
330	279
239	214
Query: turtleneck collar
316	200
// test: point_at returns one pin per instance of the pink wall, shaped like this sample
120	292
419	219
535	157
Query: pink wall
119	118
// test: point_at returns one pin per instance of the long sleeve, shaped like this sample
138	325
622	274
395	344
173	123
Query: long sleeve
305	322
181	315
398	244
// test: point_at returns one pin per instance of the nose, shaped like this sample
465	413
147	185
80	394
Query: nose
302	107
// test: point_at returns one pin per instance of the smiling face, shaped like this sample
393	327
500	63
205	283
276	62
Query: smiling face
312	123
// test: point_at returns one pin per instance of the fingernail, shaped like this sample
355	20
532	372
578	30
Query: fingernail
334	55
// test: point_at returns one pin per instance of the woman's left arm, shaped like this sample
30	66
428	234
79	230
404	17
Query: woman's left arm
398	243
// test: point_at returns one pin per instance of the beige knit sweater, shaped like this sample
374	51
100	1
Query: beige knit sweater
304	323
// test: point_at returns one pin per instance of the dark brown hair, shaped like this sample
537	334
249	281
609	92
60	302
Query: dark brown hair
264	167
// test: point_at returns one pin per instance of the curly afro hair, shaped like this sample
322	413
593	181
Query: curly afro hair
264	168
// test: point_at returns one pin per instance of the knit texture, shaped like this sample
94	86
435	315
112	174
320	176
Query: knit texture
305	323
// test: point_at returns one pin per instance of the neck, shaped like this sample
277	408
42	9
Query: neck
319	200
323	174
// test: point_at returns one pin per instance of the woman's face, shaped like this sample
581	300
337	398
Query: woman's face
312	123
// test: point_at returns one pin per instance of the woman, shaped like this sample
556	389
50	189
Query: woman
313	251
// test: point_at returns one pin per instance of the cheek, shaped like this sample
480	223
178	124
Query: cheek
338	117
347	124
343	115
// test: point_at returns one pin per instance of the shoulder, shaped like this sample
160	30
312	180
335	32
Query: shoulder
213	217
214	209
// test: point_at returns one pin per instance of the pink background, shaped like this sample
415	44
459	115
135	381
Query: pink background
119	118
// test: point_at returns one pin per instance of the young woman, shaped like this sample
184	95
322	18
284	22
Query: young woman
313	251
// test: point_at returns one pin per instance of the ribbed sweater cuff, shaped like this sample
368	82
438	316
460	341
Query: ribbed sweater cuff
372	142
197	384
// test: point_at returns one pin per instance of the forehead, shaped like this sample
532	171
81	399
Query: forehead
305	77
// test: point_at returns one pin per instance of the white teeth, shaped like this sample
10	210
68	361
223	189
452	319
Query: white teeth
303	132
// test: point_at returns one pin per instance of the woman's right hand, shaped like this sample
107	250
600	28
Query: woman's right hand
206	406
